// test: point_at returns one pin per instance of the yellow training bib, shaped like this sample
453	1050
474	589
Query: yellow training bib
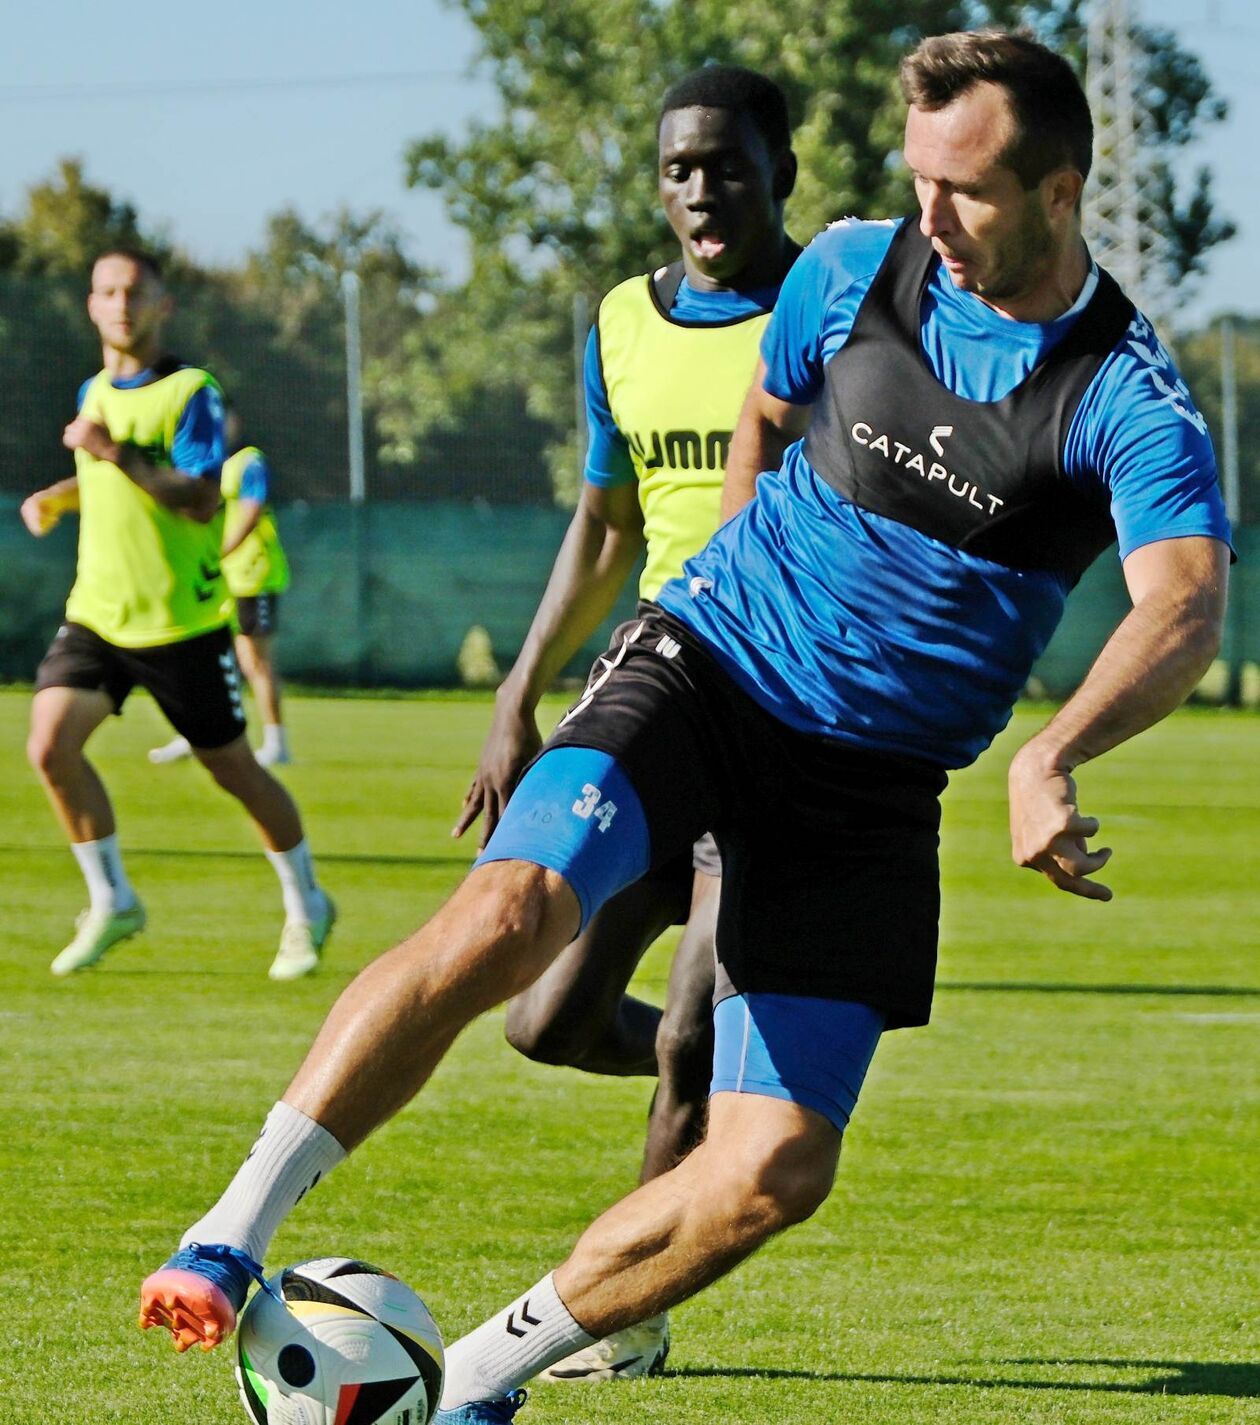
146	575
675	390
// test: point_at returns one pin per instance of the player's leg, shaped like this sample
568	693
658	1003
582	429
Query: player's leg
684	1041
258	619
575	832
786	1077
77	687
578	1013
389	1029
197	685
309	912
684	1055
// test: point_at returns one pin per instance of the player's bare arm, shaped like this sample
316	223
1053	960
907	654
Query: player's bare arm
1148	667
603	541
248	514
767	426
197	499
41	511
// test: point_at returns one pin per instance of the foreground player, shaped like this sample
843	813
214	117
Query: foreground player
257	573
147	609
984	405
667	366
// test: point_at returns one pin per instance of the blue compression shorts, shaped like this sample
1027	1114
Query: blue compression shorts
575	812
814	1052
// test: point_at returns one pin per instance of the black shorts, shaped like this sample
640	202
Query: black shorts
829	853
258	615
196	682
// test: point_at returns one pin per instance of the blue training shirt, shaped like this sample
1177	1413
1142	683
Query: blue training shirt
608	460
849	624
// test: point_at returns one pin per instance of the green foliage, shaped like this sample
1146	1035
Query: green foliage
557	192
66	222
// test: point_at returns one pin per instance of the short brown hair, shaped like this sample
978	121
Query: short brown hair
1053	128
147	261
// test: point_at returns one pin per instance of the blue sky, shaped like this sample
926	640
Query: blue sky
209	118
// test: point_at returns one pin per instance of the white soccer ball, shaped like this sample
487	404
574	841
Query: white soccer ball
338	1342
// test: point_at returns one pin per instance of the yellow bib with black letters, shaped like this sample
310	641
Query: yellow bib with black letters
675	390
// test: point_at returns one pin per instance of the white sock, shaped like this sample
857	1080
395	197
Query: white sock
274	739
533	1333
102	867
302	899
288	1158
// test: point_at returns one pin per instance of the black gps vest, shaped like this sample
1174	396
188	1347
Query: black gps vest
984	476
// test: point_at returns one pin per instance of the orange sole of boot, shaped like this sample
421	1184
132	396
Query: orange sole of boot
193	1310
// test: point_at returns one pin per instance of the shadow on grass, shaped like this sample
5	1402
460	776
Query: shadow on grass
1035	988
1238	1381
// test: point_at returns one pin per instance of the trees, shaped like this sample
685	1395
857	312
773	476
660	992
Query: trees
557	192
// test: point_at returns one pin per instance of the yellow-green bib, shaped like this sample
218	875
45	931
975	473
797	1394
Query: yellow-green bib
675	392
257	565
146	576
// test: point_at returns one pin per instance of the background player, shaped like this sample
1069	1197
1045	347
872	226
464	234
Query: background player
257	573
147	608
667	366
822	663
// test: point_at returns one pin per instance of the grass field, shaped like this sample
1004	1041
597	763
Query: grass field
1047	1206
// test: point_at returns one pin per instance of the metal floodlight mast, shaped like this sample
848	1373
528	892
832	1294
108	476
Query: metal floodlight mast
1121	221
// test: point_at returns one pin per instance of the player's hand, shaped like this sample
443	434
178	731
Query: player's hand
512	741
83	433
1048	832
39	513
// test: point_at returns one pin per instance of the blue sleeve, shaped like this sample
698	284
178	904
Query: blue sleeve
198	448
608	460
1139	430
256	481
818	304
83	390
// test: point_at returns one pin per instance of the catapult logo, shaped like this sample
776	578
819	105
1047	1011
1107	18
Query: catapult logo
933	471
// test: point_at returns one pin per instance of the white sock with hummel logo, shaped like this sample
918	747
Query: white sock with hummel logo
533	1333
290	1155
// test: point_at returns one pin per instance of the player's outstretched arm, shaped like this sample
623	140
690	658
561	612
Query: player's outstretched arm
766	427
41	511
1147	668
186	494
604	539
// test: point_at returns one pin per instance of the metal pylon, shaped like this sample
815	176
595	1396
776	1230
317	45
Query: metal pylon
1123	230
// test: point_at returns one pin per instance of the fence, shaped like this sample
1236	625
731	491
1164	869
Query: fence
458	538
410	595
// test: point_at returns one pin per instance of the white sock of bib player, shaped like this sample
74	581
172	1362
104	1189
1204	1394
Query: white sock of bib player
275	741
302	898
533	1333
289	1156
102	867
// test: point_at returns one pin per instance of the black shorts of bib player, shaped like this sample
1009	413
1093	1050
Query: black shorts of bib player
196	683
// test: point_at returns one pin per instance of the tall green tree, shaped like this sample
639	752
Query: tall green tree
67	220
556	188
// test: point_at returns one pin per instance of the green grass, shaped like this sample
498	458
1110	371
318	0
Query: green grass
1046	1210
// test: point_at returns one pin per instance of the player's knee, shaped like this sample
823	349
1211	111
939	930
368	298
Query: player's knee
535	1030
770	1187
50	755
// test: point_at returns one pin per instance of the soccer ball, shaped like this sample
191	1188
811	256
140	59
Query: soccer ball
338	1342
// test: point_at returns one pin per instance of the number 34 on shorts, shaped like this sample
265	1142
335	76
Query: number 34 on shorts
588	805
